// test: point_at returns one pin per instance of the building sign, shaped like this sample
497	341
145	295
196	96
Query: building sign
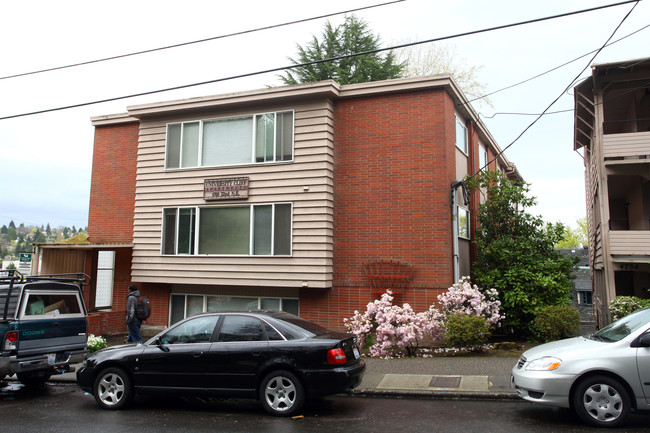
229	188
25	257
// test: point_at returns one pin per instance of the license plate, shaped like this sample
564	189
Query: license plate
51	358
356	353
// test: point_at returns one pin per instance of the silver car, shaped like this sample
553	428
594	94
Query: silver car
601	377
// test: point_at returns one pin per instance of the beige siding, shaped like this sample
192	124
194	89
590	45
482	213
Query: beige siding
306	183
629	242
626	145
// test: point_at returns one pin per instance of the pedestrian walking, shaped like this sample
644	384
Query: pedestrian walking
133	323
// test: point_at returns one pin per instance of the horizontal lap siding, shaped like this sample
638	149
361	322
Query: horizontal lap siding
306	182
629	144
629	242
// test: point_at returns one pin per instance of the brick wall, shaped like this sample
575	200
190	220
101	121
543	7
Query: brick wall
110	219
112	188
394	163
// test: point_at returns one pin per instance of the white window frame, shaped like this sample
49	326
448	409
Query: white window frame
482	156
252	160
259	299
464	147
105	278
196	232
463	229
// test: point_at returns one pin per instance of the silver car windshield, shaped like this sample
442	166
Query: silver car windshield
622	328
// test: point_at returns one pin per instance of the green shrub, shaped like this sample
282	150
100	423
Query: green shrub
621	306
556	322
463	331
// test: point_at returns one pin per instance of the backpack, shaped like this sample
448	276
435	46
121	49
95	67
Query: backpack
142	309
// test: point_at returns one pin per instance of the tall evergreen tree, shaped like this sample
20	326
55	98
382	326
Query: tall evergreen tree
351	37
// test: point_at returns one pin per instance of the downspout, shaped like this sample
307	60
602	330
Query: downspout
454	228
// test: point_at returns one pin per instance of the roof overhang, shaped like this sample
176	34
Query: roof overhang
88	247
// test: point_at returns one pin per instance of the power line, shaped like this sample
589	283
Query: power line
283	68
550	70
183	44
636	3
525	114
604	101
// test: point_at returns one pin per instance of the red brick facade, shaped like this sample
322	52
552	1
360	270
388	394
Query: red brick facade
112	189
394	163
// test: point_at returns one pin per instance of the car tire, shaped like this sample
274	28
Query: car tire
34	378
601	401
281	393
113	388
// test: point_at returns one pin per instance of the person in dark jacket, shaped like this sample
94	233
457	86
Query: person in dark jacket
132	322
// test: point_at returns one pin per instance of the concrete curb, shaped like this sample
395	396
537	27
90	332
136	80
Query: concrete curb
436	395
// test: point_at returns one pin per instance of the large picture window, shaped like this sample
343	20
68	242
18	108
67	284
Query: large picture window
258	138
183	306
260	230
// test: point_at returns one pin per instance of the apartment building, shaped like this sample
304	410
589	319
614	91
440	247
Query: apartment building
612	129
312	199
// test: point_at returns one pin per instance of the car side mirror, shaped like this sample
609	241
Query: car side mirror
642	341
158	342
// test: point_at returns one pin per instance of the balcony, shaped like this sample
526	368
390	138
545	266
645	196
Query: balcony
631	145
629	242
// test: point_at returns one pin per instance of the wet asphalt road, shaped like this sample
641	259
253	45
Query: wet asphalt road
65	408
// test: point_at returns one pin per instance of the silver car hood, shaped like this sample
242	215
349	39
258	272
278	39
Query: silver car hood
577	347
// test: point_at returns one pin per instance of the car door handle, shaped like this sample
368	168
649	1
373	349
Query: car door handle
256	353
197	354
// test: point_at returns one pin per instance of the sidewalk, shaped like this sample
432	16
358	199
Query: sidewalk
456	377
471	377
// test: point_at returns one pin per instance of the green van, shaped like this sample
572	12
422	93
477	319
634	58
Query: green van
43	326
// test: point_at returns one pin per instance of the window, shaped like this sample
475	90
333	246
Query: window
104	280
463	223
186	305
259	230
241	328
584	297
461	136
39	304
482	157
258	138
194	331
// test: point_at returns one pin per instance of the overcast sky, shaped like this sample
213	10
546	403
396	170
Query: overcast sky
46	158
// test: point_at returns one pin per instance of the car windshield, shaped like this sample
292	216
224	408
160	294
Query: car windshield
622	328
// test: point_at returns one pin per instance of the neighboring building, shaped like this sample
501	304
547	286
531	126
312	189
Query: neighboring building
312	199
612	126
581	295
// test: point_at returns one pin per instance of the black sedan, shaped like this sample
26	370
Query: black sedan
275	357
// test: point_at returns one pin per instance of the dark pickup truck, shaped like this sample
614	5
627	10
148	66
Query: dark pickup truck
43	326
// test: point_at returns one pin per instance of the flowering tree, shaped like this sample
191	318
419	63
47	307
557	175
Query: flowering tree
392	327
465	297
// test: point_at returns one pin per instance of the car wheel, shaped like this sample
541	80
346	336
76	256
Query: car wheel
113	388
601	401
33	379
281	393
